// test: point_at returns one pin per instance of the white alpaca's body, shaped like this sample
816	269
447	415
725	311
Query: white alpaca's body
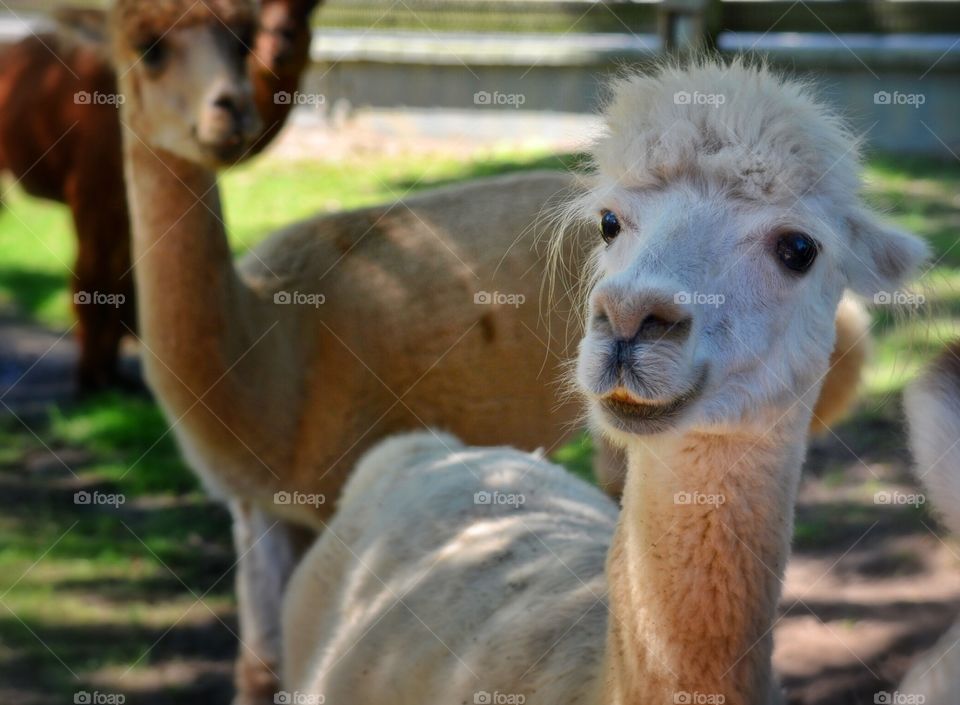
382	578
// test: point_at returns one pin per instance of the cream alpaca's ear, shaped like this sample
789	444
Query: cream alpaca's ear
882	258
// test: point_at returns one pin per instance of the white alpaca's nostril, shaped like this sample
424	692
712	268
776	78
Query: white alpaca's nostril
655	327
647	317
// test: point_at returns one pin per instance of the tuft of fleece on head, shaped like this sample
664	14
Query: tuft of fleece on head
145	20
932	404
739	124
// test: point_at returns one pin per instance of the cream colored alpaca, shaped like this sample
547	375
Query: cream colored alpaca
268	397
453	574
933	410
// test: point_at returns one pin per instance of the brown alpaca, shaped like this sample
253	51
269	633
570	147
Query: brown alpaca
69	151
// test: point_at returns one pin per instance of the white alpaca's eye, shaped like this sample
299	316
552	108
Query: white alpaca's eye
797	251
609	226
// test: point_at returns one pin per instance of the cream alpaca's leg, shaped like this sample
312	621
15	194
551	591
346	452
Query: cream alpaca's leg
268	549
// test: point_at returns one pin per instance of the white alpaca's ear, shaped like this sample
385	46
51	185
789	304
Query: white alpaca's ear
882	258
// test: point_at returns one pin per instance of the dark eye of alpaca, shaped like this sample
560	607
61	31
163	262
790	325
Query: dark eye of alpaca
797	251
153	53
609	226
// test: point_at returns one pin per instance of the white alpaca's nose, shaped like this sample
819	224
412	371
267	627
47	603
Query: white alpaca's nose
644	316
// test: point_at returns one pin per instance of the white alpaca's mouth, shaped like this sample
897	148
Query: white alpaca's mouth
628	413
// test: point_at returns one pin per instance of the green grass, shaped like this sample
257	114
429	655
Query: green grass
111	583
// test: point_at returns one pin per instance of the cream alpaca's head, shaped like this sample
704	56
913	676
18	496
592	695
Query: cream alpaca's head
182	70
729	223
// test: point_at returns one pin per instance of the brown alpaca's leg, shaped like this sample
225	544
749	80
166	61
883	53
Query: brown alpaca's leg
103	281
268	550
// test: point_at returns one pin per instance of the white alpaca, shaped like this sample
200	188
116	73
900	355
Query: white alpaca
461	575
933	410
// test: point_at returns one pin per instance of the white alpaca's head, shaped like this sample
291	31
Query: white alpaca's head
182	69
728	205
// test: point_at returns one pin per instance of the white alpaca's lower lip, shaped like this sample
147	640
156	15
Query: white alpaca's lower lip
630	414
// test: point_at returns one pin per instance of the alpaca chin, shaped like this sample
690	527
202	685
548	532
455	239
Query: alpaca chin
628	414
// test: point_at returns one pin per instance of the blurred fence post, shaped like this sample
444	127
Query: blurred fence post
688	25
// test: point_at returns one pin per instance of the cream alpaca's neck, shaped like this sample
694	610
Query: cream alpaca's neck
187	287
695	567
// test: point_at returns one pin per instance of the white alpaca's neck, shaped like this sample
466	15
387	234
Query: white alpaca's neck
696	564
